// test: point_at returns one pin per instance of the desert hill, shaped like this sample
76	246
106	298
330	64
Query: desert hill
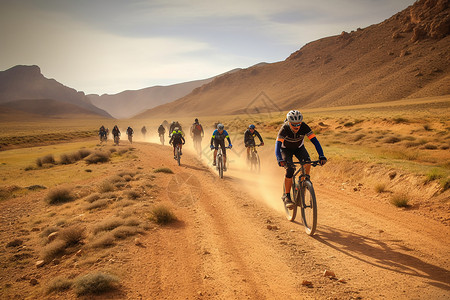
129	103
47	108
27	82
405	56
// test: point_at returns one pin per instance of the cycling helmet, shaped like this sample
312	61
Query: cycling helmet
294	116
220	126
251	126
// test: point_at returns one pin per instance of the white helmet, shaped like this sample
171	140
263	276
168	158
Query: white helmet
294	116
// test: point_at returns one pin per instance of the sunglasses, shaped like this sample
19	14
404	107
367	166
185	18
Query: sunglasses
296	124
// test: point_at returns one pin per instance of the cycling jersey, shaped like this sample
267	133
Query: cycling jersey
161	129
292	140
177	138
220	136
249	138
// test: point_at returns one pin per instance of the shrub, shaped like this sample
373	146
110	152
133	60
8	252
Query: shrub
434	174
430	147
349	124
392	140
108	224
400	120
163	170
65	159
97	157
52	250
47	231
84	153
59	284
122	174
400	200
72	235
427	127
39	162
104	240
48	159
380	188
162	215
115	179
112	150
59	195
105	187
132	195
123	232
97	204
95	283
92	198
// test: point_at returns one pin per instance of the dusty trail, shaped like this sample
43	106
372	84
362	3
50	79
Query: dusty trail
222	248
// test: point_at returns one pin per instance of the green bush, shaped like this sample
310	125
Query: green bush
95	283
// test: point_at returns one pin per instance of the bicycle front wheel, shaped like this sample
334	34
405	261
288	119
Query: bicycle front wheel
292	212
308	205
178	155
220	166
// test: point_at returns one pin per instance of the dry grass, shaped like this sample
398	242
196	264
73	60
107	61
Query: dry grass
97	157
163	170
108	224
92	198
133	195
59	284
106	187
72	235
162	215
123	232
381	188
98	204
59	196
95	283
104	240
52	250
400	199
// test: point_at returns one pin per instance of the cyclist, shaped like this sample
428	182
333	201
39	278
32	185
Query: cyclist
115	132
102	133
130	132
249	139
173	125
289	143
161	130
197	132
177	139
218	138
144	131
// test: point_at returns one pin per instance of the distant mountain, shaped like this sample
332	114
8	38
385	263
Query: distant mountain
27	82
129	103
49	108
406	56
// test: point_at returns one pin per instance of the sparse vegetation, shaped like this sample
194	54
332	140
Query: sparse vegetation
123	232
59	284
98	204
72	235
106	187
104	240
59	196
108	224
163	170
380	188
400	199
52	250
132	195
162	215
92	198
95	283
97	157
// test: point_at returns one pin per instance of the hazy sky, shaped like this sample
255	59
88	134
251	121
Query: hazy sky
107	46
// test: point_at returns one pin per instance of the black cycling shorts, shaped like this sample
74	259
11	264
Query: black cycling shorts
220	143
287	155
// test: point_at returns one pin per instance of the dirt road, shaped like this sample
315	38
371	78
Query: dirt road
222	248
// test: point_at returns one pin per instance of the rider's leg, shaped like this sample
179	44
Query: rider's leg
302	154
248	152
214	157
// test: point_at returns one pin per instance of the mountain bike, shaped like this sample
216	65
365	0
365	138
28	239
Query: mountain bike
303	196
103	138
255	163
161	138
219	161
130	138
116	139
178	154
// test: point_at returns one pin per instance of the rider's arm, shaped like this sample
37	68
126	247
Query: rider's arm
259	137
213	136
227	137
182	138
315	141
278	149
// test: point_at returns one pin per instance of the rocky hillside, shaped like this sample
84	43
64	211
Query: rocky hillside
28	83
406	56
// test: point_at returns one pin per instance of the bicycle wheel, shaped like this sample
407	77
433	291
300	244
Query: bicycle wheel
178	155
308	206
220	166
257	163
291	213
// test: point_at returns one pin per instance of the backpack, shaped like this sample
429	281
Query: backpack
197	128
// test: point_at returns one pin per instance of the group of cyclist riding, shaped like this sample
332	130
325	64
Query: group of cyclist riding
104	132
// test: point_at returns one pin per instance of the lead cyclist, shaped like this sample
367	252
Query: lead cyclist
289	143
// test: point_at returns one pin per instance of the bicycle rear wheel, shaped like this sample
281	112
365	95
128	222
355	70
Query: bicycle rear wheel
178	155
291	213
308	206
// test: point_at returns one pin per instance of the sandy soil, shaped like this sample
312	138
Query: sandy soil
221	247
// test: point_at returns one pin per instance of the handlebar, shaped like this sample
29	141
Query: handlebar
313	163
